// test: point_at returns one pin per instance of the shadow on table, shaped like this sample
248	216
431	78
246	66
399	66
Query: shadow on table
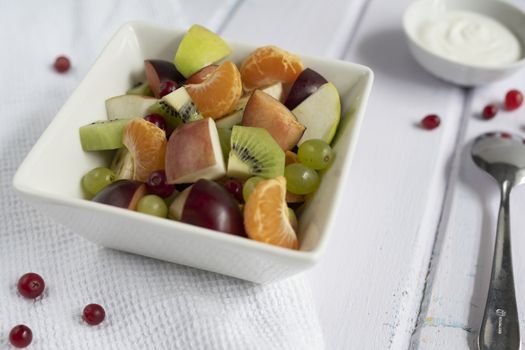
386	52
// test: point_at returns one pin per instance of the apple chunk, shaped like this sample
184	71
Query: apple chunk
199	48
194	152
320	113
264	111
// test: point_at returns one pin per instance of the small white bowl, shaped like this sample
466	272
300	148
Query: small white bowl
49	177
459	73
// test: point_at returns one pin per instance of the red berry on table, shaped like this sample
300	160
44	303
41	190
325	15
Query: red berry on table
62	64
490	111
31	285
513	100
20	336
93	314
430	122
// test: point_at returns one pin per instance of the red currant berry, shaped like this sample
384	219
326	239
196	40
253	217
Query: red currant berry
62	64
166	87
235	188
430	122
157	184
505	135
31	285
156	119
20	336
93	314
513	100
490	111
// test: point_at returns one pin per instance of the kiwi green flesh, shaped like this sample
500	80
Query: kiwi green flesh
181	102
254	153
103	135
225	135
142	89
170	114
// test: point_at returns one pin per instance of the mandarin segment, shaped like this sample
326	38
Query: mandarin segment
269	65
147	144
266	214
219	94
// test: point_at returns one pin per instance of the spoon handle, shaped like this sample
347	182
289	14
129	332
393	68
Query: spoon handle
500	325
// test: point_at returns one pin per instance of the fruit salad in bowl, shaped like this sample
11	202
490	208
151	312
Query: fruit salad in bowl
196	150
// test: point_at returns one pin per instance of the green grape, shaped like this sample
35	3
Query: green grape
96	179
300	179
249	186
153	205
315	154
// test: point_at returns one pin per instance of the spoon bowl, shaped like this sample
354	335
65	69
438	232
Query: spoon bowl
502	155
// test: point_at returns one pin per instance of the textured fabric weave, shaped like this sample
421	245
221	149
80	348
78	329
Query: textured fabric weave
150	304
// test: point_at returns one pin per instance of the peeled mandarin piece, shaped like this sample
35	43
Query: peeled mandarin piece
147	144
219	94
266	214
269	65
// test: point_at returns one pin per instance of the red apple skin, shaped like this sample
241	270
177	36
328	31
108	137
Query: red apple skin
210	205
306	84
264	111
158	71
122	193
189	149
201	75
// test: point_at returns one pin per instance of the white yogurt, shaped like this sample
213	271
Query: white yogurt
470	38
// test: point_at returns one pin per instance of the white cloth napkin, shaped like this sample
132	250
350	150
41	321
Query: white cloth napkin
149	304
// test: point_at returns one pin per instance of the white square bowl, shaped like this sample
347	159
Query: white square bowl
49	177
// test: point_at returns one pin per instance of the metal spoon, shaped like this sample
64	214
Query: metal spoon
502	155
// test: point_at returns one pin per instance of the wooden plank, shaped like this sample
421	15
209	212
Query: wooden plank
369	285
308	27
455	299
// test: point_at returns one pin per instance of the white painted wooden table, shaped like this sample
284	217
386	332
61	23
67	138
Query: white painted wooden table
409	265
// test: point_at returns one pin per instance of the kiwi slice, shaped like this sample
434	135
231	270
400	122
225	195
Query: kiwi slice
141	89
170	115
181	101
123	165
254	152
102	135
128	106
225	135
